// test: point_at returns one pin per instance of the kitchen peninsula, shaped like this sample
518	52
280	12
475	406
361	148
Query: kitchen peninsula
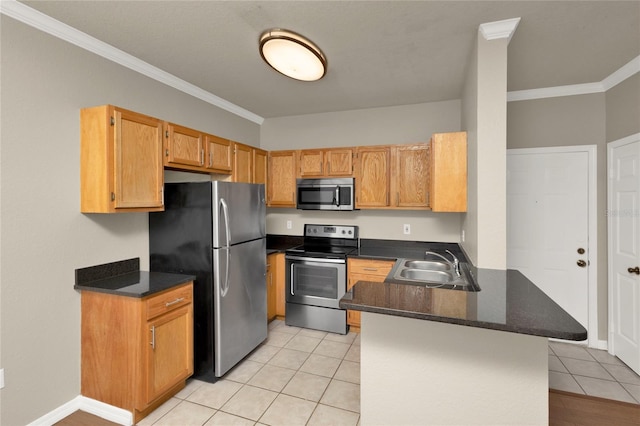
437	356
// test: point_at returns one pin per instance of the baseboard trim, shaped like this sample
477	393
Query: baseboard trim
91	406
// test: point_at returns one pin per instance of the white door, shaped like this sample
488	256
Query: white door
624	251
549	195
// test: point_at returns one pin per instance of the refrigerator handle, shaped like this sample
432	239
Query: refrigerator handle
225	214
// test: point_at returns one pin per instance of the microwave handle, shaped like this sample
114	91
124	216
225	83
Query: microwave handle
336	200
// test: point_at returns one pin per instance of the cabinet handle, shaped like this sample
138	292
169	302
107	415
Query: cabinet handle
329	168
166	134
397	199
371	269
202	157
178	300
153	337
166	153
210	158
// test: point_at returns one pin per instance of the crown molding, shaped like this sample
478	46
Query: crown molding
499	29
617	77
555	92
47	24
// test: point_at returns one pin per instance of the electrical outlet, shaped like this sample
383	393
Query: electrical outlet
406	228
289	224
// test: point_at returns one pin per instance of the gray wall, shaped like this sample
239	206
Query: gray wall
566	121
45	82
623	109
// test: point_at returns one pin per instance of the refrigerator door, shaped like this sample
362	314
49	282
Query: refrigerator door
240	302
239	212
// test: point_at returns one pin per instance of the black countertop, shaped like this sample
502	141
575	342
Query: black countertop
125	279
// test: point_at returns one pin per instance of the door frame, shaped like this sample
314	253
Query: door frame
610	147
592	225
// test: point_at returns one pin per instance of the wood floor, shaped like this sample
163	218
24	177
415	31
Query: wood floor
568	409
565	409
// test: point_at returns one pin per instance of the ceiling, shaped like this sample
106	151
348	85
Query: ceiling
380	53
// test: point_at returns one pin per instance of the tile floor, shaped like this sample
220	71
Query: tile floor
307	377
594	372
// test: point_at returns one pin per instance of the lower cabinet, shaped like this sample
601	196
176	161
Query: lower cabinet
136	352
275	286
365	270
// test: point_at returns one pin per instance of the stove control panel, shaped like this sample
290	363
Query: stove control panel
331	231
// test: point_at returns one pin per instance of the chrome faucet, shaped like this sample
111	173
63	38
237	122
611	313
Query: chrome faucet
455	263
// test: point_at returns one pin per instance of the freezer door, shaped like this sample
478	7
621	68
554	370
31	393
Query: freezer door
240	299
239	212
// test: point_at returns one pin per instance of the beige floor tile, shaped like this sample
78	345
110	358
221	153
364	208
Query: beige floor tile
586	368
634	390
303	343
263	353
623	374
604	357
313	333
604	389
348	371
343	395
353	354
275	324
331	416
244	371
332	349
307	386
226	419
272	378
289	358
320	365
556	365
215	395
250	402
356	341
289	329
186	414
156	414
342	338
278	338
569	350
564	382
287	410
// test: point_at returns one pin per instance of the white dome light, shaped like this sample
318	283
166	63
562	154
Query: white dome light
292	55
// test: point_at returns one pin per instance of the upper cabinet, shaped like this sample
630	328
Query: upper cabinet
219	154
121	161
373	177
409	171
249	164
183	146
448	172
318	163
281	185
260	170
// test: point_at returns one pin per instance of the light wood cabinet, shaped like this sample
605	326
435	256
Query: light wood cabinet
365	270
260	160
121	162
281	183
271	291
318	163
373	176
242	159
448	172
410	173
276	303
183	146
136	353
219	154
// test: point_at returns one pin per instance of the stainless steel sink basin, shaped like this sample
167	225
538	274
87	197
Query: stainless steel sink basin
428	265
433	273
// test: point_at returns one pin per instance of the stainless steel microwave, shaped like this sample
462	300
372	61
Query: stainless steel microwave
325	194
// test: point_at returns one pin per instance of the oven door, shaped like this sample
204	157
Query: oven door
315	281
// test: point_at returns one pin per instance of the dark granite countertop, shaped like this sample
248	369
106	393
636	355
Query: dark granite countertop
279	243
125	279
507	301
396	249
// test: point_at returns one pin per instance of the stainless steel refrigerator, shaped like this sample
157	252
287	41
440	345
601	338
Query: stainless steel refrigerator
216	231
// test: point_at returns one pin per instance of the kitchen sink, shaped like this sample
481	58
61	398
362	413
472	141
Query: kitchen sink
435	274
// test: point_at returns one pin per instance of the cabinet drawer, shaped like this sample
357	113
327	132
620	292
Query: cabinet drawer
370	267
168	301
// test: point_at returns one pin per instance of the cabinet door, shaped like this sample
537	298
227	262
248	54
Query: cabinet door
139	175
169	351
410	176
448	172
373	177
271	290
242	163
278	277
311	163
184	146
365	270
339	162
219	155
281	183
259	166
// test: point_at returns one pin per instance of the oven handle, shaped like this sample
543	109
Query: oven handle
315	259
291	281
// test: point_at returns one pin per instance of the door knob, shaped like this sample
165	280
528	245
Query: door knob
635	270
581	263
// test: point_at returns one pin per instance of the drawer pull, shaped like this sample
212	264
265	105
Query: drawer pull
371	269
178	300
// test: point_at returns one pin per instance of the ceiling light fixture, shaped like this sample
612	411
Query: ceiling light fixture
293	55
